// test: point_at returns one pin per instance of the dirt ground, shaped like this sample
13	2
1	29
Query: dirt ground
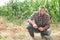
9	31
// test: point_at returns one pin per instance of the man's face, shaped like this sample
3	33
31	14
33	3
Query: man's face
42	11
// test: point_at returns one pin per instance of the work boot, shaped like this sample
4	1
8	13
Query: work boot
46	37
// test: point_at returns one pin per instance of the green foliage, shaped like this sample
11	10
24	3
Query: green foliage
18	12
2	38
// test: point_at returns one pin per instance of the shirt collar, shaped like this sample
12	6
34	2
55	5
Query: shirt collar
40	14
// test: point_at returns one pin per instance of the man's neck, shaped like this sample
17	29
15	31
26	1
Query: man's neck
42	14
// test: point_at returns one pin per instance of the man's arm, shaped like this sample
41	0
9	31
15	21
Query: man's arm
48	23
31	20
33	23
46	27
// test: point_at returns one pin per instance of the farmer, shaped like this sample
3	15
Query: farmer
39	22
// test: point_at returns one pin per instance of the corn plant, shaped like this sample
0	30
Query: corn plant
18	12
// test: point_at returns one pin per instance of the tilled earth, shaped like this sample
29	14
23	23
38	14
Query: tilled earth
9	31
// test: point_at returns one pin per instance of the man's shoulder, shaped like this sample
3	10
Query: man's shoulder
36	12
46	14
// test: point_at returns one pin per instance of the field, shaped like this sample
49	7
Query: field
14	15
10	31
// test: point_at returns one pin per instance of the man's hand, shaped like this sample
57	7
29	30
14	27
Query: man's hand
41	28
33	23
35	26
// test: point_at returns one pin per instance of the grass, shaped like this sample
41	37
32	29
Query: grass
2	37
18	12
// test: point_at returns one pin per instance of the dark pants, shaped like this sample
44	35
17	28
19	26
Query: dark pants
31	31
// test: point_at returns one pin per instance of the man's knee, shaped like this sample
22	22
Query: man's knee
47	32
29	27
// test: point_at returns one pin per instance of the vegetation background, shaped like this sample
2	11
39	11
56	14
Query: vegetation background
17	12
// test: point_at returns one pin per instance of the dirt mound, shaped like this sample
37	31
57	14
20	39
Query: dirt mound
9	26
9	31
3	24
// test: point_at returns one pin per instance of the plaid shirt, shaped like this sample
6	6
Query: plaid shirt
41	21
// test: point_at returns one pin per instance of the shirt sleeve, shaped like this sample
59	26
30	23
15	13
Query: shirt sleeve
32	17
48	21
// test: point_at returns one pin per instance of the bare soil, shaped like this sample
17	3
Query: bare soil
9	31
